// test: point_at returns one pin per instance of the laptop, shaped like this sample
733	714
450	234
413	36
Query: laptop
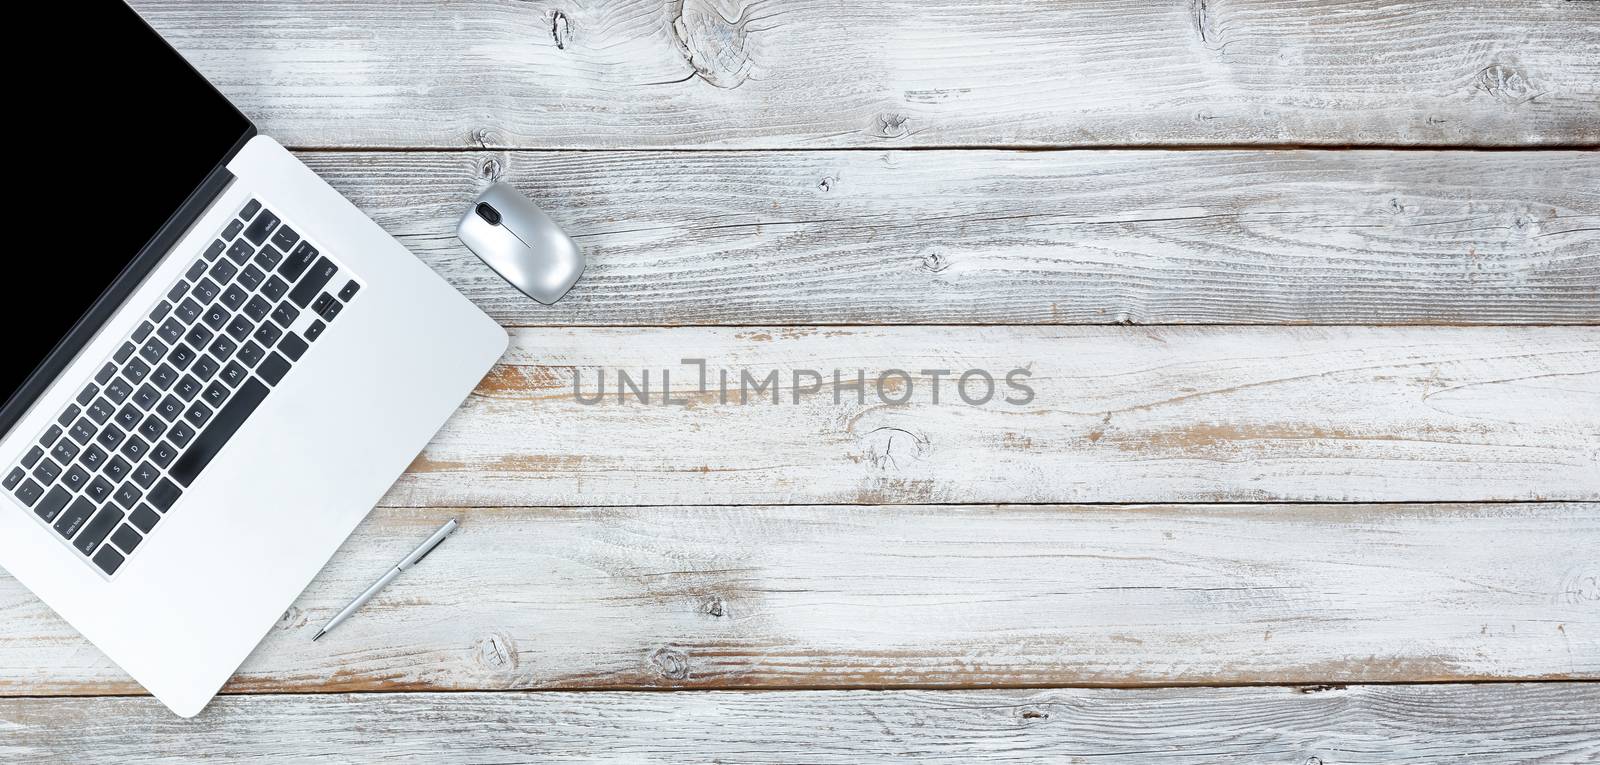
214	369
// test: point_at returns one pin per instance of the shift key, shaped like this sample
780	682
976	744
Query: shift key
97	530
313	282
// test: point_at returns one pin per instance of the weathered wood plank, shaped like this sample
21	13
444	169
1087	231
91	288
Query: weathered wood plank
1023	237
901	596
808	73
1495	723
1167	414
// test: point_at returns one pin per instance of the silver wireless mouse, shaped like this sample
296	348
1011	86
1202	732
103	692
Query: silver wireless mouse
521	243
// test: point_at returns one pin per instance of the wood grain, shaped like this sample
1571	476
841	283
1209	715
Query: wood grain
810	74
1138	237
904	596
1306	726
1168	414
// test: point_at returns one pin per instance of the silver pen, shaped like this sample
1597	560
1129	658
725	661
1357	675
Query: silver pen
413	559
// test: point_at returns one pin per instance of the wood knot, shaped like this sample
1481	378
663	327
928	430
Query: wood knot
669	663
1507	84
892	125
496	653
714	46
1035	714
491	169
935	262
1581	585
714	606
293	618
826	184
560	29
1313	760
1309	689
892	448
486	138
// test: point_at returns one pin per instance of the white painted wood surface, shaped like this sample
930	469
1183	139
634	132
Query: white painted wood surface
814	74
1163	414
942	596
964	237
1549	723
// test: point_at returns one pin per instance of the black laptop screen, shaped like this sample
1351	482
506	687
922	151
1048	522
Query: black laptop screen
124	136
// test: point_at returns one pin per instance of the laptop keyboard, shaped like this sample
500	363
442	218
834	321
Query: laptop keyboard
118	458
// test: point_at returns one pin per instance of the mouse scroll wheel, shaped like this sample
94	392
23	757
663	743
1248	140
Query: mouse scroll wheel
488	213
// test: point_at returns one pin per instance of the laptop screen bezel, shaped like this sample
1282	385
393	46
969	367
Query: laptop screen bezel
139	266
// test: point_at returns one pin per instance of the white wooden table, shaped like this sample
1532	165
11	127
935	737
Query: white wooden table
1308	291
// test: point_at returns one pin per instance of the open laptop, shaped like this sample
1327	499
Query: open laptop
213	370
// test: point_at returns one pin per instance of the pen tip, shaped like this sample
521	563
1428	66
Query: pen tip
318	636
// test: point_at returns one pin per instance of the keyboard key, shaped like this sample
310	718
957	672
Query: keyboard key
285	314
349	291
146	474
180	434
215	249
163	454
233	374
46	471
68	415
100	411
232	297
86	396
128	417
211	441
153	427
177	290
314	281
170	408
146	396
216	394
273	368
165	494
13	478
268	258
297	262
206	368
251	277
53	503
74	477
126	538
32	457
198	414
134	448
321	303
83	430
206	290
92	458
105	374
240	327
65	451
153	350
262	227
188	387
50	436
108	560
250	209
68	523
164	377
128	495
143	331
274	288
267	335
98	490
196	270
224	271
95	531
223	347
118	391
285	238
293	346
233	228
240	251
135	371
124	353
216	316
198	336
181	356
250	354
29	492
188	311
111	437
144	518
117	468
257	309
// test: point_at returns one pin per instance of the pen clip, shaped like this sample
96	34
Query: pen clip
425	553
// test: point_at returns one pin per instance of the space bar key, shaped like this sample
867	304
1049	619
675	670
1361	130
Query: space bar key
227	421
